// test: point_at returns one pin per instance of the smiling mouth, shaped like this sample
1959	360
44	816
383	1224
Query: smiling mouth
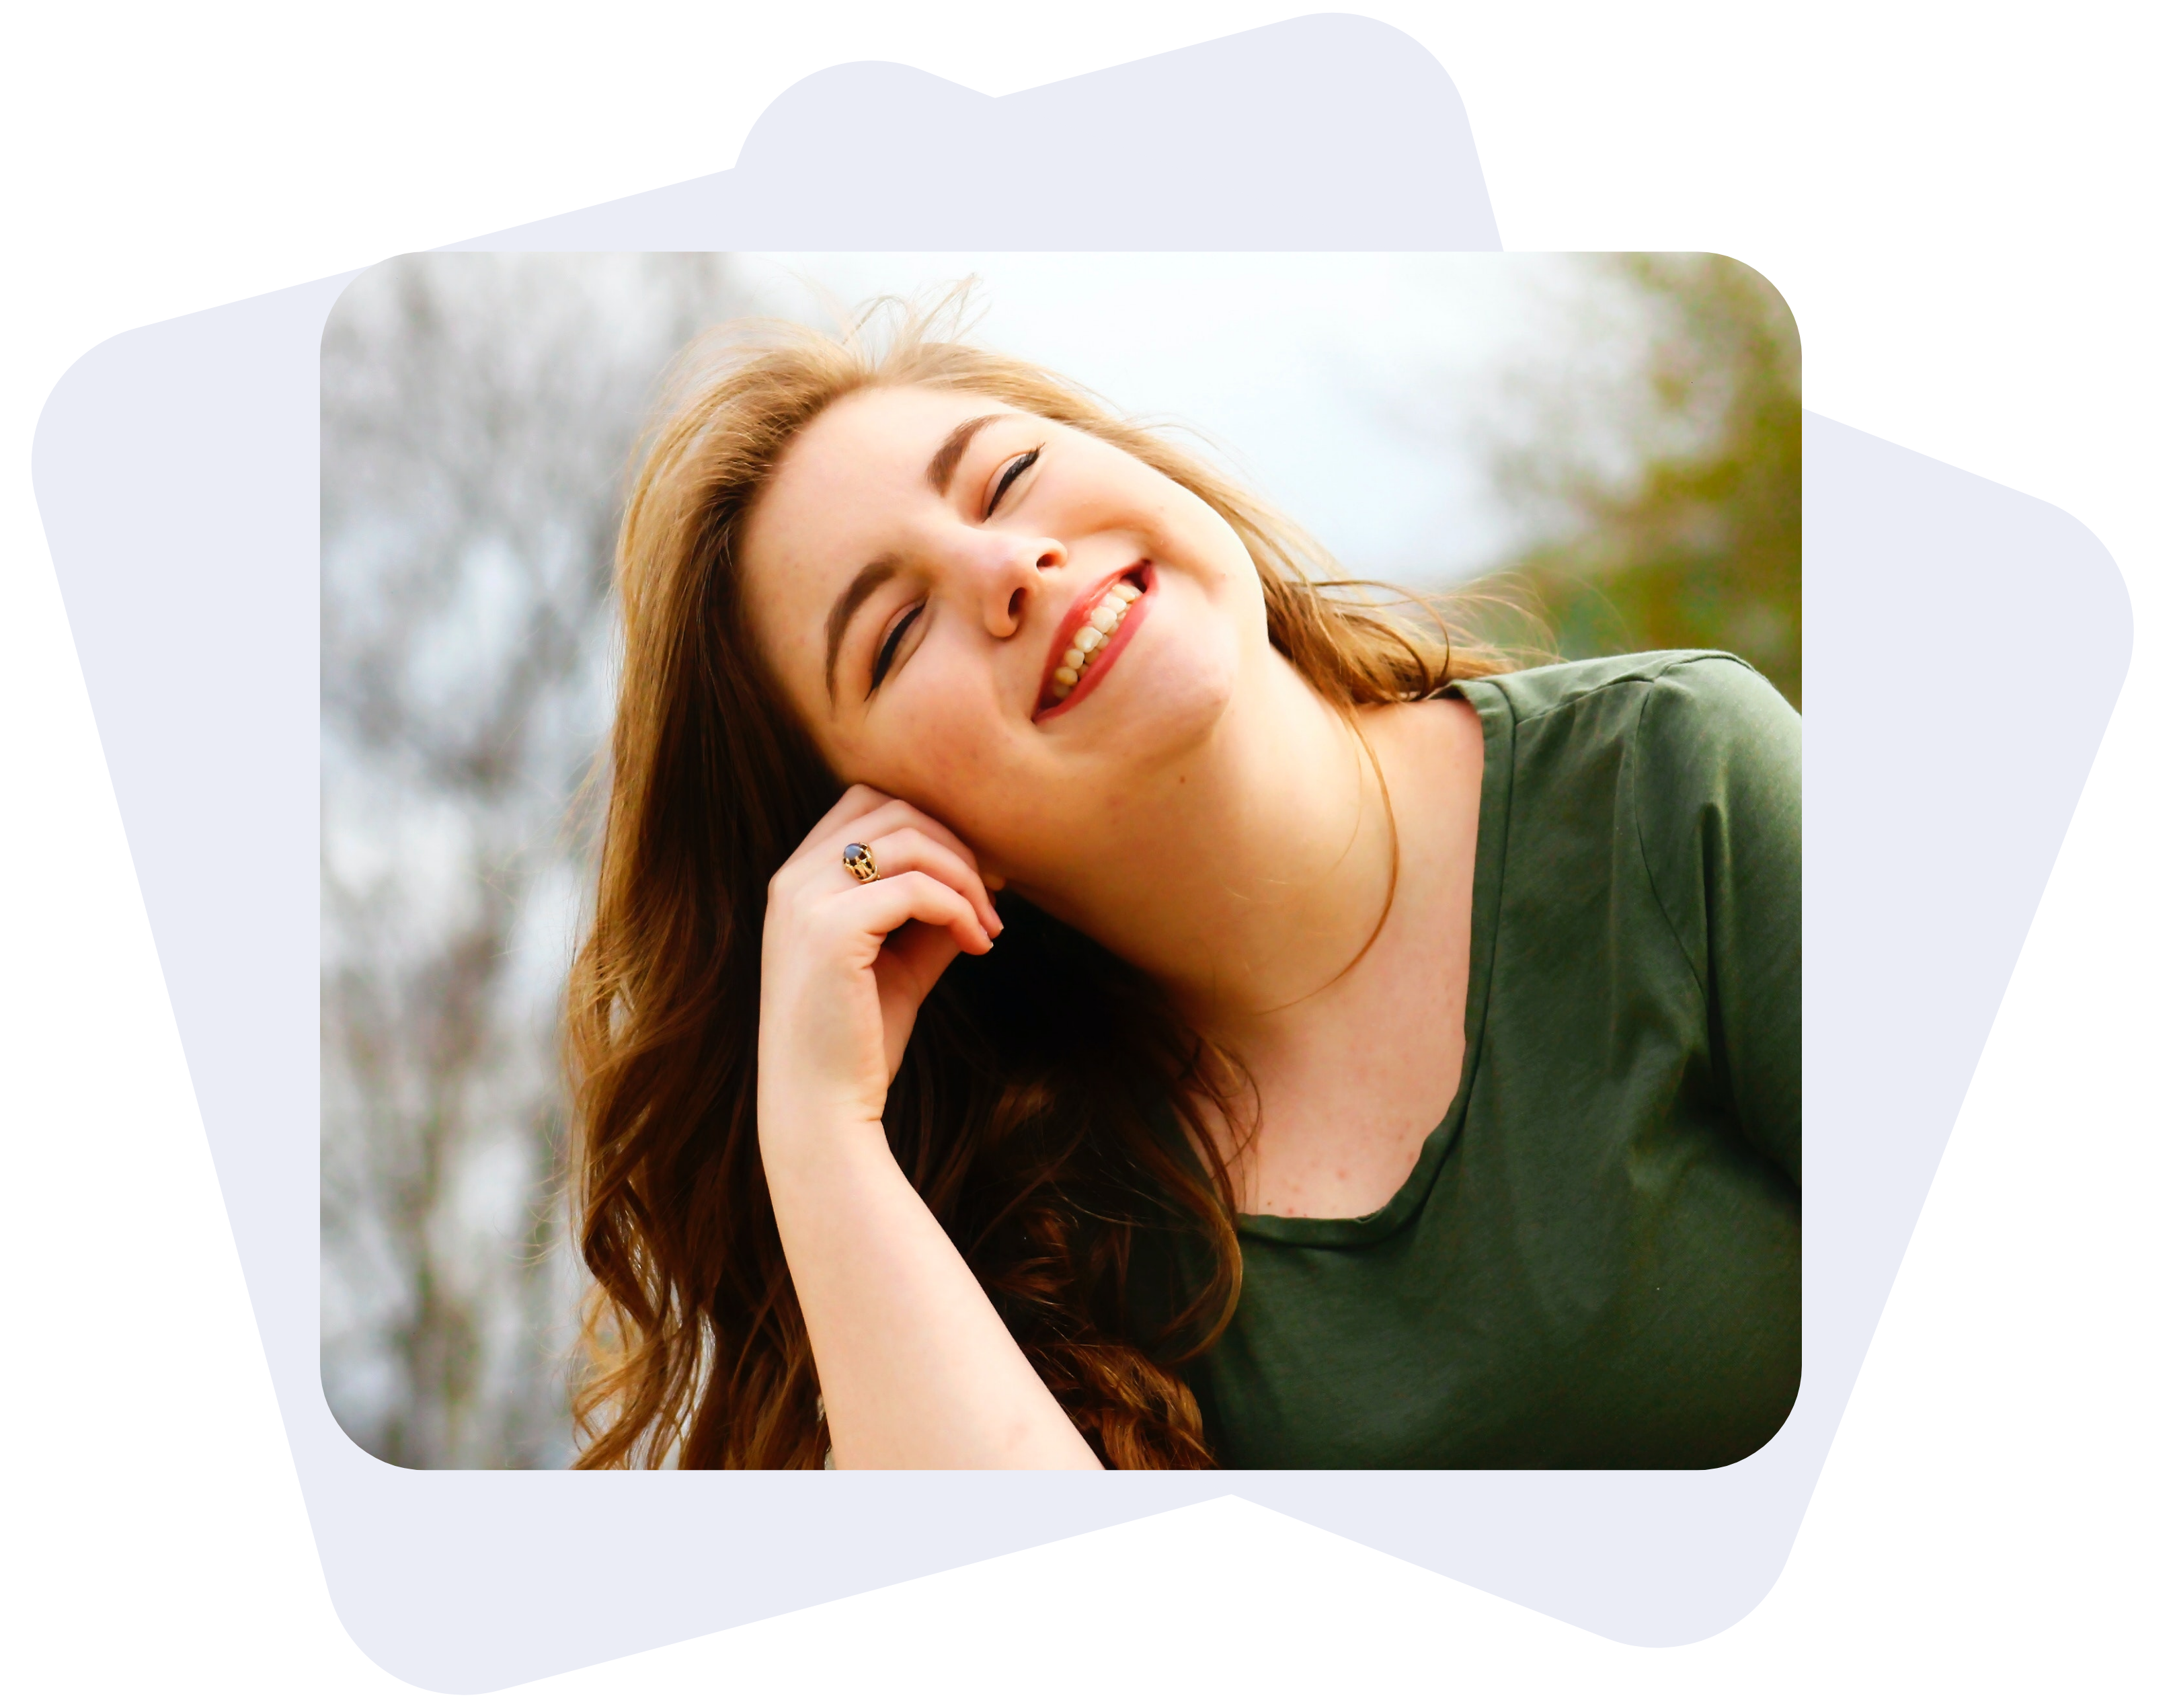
1093	637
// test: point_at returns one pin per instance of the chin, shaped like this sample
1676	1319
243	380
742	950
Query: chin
1162	701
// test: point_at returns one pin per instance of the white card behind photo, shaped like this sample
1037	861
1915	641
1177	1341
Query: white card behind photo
194	613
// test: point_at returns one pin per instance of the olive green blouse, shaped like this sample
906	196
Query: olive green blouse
1597	1259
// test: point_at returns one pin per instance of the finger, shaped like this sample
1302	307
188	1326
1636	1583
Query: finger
831	833
915	851
856	802
895	814
880	908
922	953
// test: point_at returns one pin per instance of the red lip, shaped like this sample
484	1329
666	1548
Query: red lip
1142	574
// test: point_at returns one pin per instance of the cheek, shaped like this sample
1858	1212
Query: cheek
1197	536
942	751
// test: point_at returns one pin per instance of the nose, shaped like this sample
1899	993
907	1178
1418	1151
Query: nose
1014	573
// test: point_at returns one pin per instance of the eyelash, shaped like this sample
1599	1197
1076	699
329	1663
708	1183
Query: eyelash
1018	466
887	652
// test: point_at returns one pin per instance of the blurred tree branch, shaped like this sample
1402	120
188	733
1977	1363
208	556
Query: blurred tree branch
1679	522
478	413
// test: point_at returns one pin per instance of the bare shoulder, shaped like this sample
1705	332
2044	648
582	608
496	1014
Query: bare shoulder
1434	752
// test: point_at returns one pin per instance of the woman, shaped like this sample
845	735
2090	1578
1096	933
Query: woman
1042	926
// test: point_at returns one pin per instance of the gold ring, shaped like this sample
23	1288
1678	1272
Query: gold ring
860	862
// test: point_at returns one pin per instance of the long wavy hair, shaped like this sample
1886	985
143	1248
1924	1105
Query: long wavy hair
1107	1241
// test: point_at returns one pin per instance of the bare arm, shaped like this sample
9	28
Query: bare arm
916	1367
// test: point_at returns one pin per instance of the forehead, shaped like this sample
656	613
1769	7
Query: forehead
873	445
847	491
850	477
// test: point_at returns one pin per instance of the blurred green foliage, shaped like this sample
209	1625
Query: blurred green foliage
1695	539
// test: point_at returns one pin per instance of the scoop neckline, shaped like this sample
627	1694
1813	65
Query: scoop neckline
1496	734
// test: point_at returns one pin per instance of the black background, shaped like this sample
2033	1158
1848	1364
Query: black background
1959	227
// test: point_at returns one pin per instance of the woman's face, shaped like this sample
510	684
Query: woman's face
920	573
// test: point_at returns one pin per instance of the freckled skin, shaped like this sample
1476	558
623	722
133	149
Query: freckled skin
1199	811
951	726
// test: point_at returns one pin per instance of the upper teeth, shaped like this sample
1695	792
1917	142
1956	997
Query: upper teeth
1101	622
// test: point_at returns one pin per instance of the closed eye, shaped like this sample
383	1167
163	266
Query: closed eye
887	654
1017	467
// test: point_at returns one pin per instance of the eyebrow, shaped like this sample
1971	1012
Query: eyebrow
940	468
944	462
841	614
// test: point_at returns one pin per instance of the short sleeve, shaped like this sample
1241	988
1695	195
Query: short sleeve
1719	808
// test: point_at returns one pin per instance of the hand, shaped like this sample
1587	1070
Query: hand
845	966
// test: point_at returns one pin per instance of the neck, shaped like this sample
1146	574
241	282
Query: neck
1247	877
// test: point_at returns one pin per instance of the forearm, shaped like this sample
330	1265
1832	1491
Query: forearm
917	1369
